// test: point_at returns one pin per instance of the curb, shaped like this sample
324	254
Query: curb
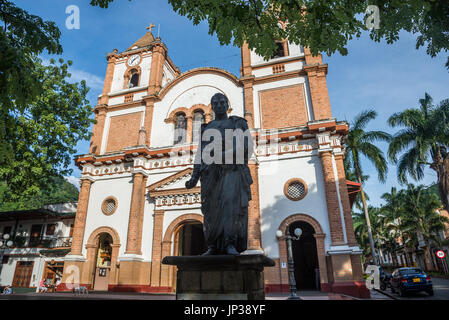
386	294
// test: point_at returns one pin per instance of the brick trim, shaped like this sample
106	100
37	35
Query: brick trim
154	186
167	271
128	73
80	217
292	180
319	237
193	72
104	204
92	247
333	207
134	241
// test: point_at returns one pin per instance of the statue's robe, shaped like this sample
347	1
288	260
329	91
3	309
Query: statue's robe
225	189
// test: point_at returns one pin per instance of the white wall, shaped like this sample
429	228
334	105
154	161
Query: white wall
197	89
120	188
118	80
275	207
293	50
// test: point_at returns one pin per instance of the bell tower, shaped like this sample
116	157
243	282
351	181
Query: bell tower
133	79
287	90
287	95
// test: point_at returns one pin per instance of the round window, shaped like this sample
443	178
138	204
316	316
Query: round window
295	189
109	206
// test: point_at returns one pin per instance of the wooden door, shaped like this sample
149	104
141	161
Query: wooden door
22	275
101	282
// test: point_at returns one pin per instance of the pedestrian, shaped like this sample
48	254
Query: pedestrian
7	290
42	287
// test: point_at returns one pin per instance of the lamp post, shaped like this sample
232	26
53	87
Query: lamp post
4	244
291	269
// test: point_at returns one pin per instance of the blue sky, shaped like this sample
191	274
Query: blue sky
387	78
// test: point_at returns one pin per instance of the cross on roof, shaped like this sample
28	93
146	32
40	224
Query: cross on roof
151	27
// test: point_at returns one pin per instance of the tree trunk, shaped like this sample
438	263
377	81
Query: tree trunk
368	222
441	167
427	256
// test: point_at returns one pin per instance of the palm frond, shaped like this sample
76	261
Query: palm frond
362	119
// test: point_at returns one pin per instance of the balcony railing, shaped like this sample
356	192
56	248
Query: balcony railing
42	242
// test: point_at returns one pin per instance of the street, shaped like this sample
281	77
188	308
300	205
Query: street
440	289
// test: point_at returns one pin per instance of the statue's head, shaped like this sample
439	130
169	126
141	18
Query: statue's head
219	104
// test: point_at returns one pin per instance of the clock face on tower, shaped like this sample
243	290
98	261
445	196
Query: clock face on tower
134	60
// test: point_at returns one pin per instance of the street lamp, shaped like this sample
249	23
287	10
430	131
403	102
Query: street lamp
291	269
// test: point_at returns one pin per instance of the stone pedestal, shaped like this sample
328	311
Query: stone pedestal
221	277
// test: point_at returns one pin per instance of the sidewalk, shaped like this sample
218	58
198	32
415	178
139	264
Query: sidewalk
309	295
304	295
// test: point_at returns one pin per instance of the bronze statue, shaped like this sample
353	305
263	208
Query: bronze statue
221	164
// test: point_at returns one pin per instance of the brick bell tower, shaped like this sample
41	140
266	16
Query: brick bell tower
124	115
288	93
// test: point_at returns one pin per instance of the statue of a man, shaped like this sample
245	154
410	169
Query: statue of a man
221	164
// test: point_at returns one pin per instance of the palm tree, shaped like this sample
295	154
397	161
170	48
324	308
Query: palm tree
360	143
378	227
393	210
425	141
420	216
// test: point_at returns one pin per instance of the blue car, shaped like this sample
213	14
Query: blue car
405	280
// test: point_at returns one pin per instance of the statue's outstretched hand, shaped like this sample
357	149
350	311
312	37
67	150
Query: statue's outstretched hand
191	183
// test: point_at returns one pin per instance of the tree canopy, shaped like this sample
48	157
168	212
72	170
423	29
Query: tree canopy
42	113
58	190
322	25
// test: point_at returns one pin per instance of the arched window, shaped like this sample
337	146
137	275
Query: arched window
280	50
180	128
134	79
198	119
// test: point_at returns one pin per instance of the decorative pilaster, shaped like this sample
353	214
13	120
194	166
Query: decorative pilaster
345	199
249	101
97	136
333	208
80	218
111	58
189	120
149	102
316	74
134	242
254	234
157	68
248	80
157	248
246	60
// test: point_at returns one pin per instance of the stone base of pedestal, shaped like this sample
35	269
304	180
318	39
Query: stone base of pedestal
220	277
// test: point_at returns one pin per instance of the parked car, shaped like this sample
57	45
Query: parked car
405	280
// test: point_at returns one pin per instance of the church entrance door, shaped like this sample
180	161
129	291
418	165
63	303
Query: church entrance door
191	239
305	257
103	263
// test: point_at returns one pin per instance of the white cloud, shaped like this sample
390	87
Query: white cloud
73	180
93	81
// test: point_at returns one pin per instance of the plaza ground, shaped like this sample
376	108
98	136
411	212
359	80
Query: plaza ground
440	285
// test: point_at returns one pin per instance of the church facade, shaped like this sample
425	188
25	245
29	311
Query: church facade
134	209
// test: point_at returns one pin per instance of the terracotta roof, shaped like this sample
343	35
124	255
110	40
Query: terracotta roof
143	42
